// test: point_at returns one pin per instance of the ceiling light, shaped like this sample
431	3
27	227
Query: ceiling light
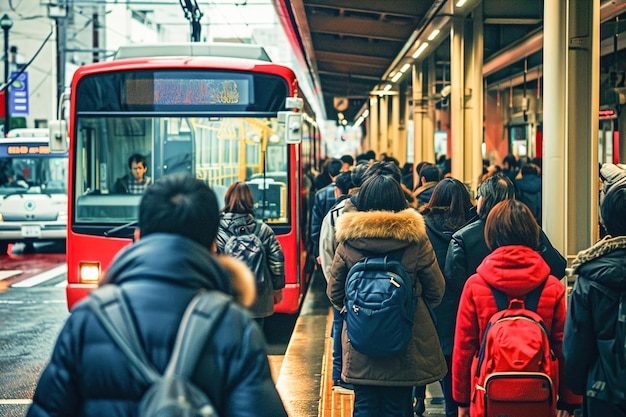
460	3
366	113
405	67
420	49
387	87
396	77
434	34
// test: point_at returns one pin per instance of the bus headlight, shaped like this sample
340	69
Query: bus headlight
89	272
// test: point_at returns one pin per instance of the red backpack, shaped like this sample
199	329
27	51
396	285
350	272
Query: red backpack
516	372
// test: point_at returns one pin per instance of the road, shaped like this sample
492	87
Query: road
32	311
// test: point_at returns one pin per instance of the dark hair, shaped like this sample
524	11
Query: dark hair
510	160
430	173
347	159
344	182
612	211
182	205
358	174
530	169
137	158
510	222
381	192
420	166
238	199
451	193
334	167
493	190
370	154
388	169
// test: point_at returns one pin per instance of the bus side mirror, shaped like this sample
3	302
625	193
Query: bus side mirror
57	134
292	126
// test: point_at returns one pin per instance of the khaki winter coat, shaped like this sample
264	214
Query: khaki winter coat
377	232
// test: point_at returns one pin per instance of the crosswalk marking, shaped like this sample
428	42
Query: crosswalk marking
9	274
15	401
39	278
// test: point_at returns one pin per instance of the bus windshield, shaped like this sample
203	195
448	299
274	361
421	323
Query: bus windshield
217	150
30	168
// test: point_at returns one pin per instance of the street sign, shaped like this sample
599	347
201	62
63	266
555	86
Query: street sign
18	95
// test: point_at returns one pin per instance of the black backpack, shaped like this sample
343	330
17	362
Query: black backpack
249	248
171	394
380	305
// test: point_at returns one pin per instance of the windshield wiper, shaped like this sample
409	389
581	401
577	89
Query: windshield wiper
123	228
20	193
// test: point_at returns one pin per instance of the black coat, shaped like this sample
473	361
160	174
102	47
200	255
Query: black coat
88	376
589	343
468	248
230	223
440	232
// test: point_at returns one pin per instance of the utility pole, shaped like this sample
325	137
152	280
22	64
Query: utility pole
6	23
193	14
58	12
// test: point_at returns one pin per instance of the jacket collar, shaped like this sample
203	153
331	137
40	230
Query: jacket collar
607	245
407	225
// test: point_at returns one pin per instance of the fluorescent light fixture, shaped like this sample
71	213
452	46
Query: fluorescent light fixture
405	67
387	87
366	113
460	3
396	77
434	33
420	49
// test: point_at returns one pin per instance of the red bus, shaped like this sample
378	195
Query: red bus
222	112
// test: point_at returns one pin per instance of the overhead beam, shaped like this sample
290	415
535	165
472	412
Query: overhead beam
356	46
410	9
363	28
352	59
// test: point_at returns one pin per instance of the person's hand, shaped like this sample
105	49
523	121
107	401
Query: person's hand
563	413
318	260
464	412
278	296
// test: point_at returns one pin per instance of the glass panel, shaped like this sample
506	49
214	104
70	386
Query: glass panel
35	175
217	150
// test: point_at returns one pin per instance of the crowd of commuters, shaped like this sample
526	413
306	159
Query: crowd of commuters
455	249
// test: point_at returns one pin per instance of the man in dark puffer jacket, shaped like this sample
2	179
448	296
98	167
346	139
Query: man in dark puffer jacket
592	344
89	376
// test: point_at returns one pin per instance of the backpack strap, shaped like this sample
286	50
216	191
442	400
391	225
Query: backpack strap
620	324
531	302
199	322
110	307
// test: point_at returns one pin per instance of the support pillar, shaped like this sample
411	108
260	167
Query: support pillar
554	184
457	97
383	138
373	130
583	85
398	143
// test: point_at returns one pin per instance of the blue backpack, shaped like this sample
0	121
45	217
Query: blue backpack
380	306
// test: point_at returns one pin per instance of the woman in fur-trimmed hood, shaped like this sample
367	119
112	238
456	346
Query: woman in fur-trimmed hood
592	344
383	225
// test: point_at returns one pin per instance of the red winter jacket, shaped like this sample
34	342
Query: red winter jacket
514	270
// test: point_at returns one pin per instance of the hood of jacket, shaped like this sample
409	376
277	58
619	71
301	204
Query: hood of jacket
404	227
173	258
515	270
235	221
604	262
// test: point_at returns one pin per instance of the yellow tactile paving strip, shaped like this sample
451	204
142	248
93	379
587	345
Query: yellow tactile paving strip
333	404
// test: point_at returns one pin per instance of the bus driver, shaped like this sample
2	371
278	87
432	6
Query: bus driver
135	182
